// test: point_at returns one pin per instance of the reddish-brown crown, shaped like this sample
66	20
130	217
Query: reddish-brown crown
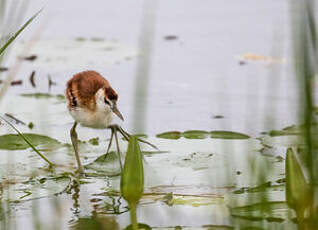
82	87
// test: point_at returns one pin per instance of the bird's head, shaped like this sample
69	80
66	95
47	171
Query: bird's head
107	98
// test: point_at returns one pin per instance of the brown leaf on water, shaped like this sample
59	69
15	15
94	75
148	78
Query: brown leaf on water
30	58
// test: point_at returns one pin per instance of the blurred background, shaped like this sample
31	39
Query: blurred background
199	66
222	88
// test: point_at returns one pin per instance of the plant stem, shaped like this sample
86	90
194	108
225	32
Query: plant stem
133	215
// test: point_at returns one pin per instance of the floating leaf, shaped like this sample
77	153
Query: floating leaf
59	97
291	130
228	135
140	226
94	141
195	134
15	142
170	135
294	130
107	165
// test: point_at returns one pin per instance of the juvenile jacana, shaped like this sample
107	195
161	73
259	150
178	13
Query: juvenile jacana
92	102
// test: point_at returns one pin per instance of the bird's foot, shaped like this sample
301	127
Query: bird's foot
80	172
126	135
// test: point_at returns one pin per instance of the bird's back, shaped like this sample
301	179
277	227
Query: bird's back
82	87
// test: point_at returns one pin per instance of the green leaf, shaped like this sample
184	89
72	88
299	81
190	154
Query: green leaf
298	190
15	142
107	165
195	134
94	141
44	96
170	135
140	226
13	37
219	134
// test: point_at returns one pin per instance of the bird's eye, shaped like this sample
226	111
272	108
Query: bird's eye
106	102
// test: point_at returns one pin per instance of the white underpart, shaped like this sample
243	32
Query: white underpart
101	118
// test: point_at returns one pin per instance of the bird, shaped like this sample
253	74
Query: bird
92	102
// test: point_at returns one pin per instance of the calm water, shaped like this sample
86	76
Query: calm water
193	78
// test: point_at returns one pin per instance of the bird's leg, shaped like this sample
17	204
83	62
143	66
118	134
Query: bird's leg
118	150
110	142
75	146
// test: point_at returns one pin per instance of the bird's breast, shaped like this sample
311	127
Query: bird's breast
98	119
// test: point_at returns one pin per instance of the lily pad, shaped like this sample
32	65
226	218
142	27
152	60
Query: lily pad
169	135
291	130
94	141
228	135
140	226
294	130
59	97
195	134
108	164
15	142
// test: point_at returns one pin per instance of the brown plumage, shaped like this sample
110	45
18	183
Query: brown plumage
82	87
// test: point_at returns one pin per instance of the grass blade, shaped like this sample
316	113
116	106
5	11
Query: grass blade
13	37
28	142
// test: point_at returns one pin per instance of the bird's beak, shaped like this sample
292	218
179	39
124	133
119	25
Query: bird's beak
116	111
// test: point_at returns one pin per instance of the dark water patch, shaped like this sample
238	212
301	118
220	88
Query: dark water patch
170	37
218	117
